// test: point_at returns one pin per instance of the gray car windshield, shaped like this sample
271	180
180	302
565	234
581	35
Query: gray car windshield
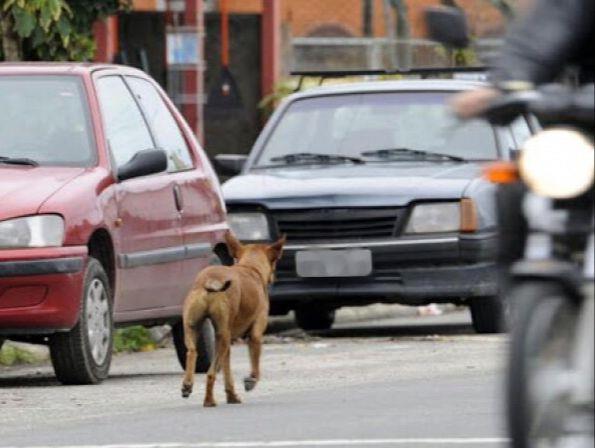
377	127
44	120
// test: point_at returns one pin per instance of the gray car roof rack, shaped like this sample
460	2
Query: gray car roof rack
425	72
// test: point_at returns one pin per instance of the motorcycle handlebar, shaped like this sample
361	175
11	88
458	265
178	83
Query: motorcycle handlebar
551	104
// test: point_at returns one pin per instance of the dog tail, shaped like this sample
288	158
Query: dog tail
214	286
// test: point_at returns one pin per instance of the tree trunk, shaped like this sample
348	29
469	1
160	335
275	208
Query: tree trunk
11	44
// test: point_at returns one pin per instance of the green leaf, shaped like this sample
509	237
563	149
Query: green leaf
55	7
24	22
64	27
45	18
38	38
8	4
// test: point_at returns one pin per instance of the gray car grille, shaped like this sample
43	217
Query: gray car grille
337	224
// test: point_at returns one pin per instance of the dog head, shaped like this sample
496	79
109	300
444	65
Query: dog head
264	257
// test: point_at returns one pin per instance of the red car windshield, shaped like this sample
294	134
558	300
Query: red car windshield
45	119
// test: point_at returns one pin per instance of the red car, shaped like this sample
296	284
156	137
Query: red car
108	209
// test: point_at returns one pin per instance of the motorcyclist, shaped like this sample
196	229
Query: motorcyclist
550	37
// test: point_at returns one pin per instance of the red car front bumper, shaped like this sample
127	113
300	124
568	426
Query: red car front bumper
40	289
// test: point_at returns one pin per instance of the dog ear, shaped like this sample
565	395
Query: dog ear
275	250
234	246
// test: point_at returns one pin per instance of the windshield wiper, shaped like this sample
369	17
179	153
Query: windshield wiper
393	153
18	161
323	159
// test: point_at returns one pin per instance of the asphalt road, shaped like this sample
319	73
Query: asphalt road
405	382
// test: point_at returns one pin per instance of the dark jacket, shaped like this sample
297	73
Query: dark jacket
554	36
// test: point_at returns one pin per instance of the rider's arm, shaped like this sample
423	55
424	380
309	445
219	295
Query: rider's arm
544	42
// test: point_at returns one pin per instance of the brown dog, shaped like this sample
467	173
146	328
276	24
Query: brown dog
236	300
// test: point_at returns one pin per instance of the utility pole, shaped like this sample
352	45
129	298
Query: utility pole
398	32
368	15
505	8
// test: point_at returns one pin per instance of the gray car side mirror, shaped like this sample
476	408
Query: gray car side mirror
230	164
448	25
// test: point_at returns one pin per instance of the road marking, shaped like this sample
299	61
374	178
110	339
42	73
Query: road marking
301	443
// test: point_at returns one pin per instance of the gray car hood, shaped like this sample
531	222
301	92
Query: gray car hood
376	185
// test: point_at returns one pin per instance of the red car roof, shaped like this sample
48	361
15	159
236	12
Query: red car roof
55	68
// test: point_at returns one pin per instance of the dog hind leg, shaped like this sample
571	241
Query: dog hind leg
190	338
232	396
193	316
223	347
255	349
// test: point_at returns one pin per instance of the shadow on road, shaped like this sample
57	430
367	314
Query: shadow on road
398	331
29	381
48	379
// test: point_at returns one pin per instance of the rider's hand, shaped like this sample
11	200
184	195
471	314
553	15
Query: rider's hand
472	103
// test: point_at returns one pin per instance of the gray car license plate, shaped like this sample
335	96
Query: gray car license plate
334	263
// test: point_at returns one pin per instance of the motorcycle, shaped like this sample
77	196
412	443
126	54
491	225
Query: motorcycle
549	291
552	350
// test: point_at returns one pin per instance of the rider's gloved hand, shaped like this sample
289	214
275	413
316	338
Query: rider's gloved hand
472	103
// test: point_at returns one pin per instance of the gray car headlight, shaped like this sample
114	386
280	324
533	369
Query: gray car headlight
435	218
32	232
249	226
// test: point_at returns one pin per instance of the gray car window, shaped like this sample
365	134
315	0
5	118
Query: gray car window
521	131
349	125
46	119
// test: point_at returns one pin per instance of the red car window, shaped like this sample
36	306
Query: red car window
126	130
165	128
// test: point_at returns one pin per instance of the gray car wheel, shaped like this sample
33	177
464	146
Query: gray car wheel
488	314
315	318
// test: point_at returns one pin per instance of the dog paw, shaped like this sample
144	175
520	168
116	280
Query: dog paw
233	399
210	404
250	383
186	390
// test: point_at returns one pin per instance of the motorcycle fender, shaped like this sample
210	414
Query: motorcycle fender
560	272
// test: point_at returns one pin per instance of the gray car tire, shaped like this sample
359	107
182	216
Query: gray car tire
315	318
488	314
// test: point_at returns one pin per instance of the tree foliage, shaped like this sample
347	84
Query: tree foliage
57	30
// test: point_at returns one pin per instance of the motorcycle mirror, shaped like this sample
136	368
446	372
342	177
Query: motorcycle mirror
447	25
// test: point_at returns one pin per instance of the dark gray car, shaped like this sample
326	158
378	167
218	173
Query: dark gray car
379	190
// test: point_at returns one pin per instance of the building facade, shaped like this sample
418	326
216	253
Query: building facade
167	39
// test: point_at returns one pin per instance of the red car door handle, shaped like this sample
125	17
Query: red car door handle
179	199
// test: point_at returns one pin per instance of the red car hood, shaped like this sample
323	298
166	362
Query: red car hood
24	189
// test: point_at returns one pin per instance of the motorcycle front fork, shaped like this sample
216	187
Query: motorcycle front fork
584	355
583	390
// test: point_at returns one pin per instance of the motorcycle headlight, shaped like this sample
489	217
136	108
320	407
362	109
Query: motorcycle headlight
435	218
31	232
558	163
249	226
